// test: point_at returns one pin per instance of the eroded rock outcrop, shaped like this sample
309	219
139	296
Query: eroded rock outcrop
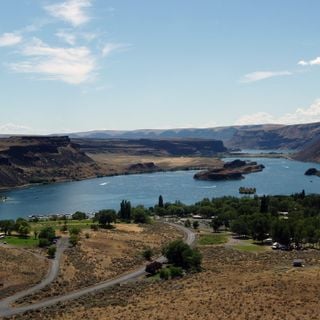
233	170
35	159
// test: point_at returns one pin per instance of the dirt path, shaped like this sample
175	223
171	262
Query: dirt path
5	305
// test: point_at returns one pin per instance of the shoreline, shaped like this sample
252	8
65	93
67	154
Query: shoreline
124	171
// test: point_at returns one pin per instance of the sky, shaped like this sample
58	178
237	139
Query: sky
80	65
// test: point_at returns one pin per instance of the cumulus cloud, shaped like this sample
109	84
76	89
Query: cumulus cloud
111	47
314	62
71	11
11	128
300	115
262	75
9	39
72	65
66	37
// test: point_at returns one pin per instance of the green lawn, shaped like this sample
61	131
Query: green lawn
82	224
249	247
20	241
211	239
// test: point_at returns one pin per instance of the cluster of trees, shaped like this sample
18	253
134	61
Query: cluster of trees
20	226
288	220
181	257
127	213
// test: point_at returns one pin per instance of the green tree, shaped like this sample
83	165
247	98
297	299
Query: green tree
140	215
47	233
160	202
281	232
79	216
7	226
187	223
182	255
125	210
147	254
105	218
260	226
216	223
22	227
52	251
264	204
240	226
195	224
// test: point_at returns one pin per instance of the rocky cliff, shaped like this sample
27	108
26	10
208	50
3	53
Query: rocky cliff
156	147
244	137
310	153
233	170
33	159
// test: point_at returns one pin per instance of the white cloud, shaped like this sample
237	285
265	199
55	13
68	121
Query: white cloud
9	39
314	62
300	115
11	128
111	47
71	11
262	75
72	65
66	37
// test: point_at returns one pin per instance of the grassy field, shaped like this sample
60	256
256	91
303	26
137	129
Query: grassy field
249	246
21	241
82	224
213	239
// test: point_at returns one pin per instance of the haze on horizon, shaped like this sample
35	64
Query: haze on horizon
80	65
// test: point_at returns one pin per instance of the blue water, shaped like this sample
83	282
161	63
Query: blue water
279	177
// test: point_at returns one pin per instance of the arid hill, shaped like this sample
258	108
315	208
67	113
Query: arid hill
34	159
246	137
310	153
155	147
44	159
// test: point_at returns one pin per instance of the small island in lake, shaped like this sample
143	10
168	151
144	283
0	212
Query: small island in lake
312	172
233	170
244	190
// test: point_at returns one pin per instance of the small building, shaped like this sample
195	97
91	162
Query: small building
297	263
284	215
197	216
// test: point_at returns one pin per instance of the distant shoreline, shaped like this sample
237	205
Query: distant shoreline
173	168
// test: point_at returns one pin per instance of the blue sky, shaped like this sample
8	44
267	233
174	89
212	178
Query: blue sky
77	65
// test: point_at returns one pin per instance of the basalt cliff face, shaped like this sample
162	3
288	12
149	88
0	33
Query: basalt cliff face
310	153
233	170
245	137
33	159
155	147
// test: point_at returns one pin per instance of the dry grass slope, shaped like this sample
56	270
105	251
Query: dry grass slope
233	285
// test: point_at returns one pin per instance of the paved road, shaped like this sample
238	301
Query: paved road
7	310
53	271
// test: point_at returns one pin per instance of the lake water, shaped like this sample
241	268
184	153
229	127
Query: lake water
280	176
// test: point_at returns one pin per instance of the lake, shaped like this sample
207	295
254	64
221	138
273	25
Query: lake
280	176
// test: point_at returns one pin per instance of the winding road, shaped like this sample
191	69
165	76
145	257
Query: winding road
7	310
